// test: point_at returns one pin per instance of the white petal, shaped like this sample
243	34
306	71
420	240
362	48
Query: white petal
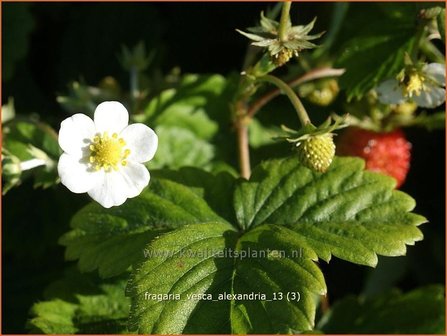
142	142
111	117
389	92
75	134
435	71
431	98
109	191
137	178
117	186
76	175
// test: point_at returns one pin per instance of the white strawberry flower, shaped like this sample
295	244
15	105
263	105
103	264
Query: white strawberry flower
423	85
104	157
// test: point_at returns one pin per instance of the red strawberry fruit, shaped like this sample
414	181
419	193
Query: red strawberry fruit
388	153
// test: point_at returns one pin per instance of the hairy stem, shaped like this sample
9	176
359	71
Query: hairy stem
284	21
241	126
243	149
312	75
239	110
296	102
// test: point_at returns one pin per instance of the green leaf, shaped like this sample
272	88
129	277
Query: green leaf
286	270
95	251
260	135
179	147
421	311
194	118
376	47
189	118
38	134
215	189
79	304
53	317
369	60
191	106
346	212
97	231
291	214
196	259
185	265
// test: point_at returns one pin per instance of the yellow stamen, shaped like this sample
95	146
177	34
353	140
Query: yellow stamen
413	85
107	152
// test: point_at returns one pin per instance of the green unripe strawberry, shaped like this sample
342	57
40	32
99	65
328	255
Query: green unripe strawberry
316	152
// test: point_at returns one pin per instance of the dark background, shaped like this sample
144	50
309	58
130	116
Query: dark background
47	45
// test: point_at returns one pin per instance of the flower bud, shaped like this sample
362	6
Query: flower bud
321	93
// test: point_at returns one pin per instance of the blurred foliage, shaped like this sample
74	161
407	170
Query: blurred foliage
187	118
30	147
135	58
81	304
419	311
33	221
82	97
376	51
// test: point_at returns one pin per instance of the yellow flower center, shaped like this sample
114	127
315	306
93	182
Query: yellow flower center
414	85
108	152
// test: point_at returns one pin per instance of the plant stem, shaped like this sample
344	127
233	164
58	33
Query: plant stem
243	149
419	35
324	303
240	107
432	52
314	74
296	102
284	21
242	114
